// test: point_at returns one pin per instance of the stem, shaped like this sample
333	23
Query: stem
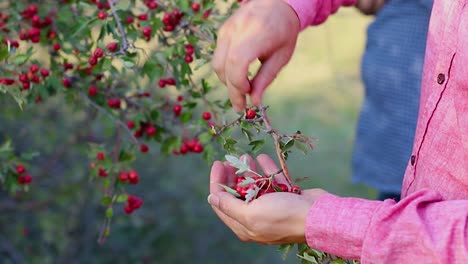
276	139
117	121
124	46
218	133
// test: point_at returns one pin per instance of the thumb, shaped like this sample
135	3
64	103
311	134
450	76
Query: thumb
265	76
228	204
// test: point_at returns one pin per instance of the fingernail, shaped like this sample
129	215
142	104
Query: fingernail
213	200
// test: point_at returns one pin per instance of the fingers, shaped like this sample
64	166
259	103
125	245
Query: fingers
229	205
230	174
219	56
235	226
269	167
266	74
217	177
251	163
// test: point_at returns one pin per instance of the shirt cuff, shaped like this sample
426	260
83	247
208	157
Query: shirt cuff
338	225
314	12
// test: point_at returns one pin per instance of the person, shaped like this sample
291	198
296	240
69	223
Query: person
430	223
391	71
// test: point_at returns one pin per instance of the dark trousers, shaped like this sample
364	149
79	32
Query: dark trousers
389	195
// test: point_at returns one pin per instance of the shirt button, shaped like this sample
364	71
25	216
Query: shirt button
413	160
441	78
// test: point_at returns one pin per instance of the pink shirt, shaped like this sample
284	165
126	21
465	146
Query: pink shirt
430	223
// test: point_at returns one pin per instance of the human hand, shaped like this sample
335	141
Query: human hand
260	29
273	218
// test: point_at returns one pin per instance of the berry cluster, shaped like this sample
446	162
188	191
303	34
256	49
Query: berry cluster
189	50
31	76
132	177
169	81
22	177
172	19
189	145
265	184
133	203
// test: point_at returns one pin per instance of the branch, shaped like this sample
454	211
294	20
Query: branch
124	46
276	139
117	121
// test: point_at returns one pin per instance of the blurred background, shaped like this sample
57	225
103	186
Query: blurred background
319	93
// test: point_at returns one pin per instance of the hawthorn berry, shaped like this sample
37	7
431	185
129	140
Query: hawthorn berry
206	116
129	20
45	73
123	176
133	177
177	109
296	189
92	60
162	83
170	81
24	179
130	124
112	47
183	149
147	31
92	90
23	78
26	85
56	47
188	58
102	173
151	130
198	148
100	156
144	148
250	114
20	169
195	7
189	49
113	102
98	53
180	98
66	82
142	17
33	68
102	15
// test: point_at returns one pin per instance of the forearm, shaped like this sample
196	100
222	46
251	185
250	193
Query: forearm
314	12
420	228
369	7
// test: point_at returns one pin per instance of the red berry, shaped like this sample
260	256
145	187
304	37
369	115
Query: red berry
206	14
171	81
184	149
162	83
92	60
33	68
32	9
113	102
129	20
23	78
198	148
102	15
130	124
128	209
239	179
152	5
250	114
20	169
56	47
296	189
146	31
177	109
102	172
206	116
123	176
52	34
180	98
144	148
26	85
195	7
189	49
142	17
92	91
98	53
188	58
36	79
25	179
45	73
100	156
151	130
112	47
283	187
133	177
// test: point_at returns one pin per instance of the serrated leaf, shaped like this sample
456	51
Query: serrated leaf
257	145
251	194
230	190
286	248
106	200
246	182
302	147
4	54
20	59
240	165
84	25
126	156
185	117
289	144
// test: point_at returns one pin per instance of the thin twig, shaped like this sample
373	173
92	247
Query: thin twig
276	139
117	121
235	121
124	46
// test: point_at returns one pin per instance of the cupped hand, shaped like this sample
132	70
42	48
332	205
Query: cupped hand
273	218
260	29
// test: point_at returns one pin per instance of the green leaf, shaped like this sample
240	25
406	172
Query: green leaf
122	5
106	200
20	59
302	147
29	155
286	248
4	54
127	62
257	145
6	146
121	198
85	25
289	144
126	156
230	190
246	182
185	117
109	212
152	70
241	165
206	88
252	194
